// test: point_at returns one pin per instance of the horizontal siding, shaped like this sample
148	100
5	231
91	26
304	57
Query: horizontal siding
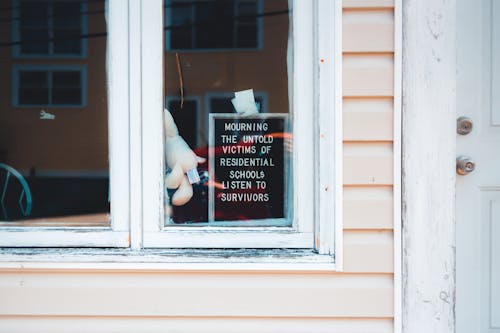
368	134
368	207
368	164
196	295
368	75
370	31
367	4
193	325
368	126
368	104
368	251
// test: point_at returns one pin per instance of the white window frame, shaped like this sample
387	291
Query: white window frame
137	164
16	50
117	234
49	69
315	226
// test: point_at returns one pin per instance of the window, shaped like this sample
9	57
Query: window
64	150
280	103
49	87
49	28
213	24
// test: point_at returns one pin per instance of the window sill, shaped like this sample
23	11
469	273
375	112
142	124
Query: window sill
79	259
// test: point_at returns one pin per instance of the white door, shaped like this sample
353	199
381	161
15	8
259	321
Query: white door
478	193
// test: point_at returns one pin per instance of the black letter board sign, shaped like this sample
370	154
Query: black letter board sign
248	168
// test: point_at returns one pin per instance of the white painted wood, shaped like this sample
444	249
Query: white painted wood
495	65
227	237
329	138
117	234
429	83
117	66
135	95
397	181
478	193
303	99
193	325
152	115
492	261
338	167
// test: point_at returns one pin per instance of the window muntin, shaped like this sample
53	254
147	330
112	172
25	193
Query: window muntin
213	24
49	28
50	86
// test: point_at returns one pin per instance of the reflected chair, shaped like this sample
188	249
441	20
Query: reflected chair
13	185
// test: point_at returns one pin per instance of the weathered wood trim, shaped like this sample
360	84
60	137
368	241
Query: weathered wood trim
429	80
96	259
397	135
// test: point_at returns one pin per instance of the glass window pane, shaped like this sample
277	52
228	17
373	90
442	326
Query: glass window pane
241	128
54	129
214	24
34	40
33	96
34	13
180	28
66	15
66	79
67	41
33	27
66	96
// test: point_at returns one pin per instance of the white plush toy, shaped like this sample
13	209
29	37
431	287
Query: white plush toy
182	162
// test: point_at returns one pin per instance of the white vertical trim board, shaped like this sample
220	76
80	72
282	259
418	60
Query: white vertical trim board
329	138
152	113
397	137
135	160
428	160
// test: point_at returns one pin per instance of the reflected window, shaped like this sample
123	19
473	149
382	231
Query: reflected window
54	113
49	27
48	87
213	24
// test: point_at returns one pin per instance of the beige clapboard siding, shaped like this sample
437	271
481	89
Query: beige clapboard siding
368	126
368	251
193	325
368	163
368	31
366	4
196	295
368	75
368	207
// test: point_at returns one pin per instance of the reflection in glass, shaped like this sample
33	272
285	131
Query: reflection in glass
53	114
214	49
